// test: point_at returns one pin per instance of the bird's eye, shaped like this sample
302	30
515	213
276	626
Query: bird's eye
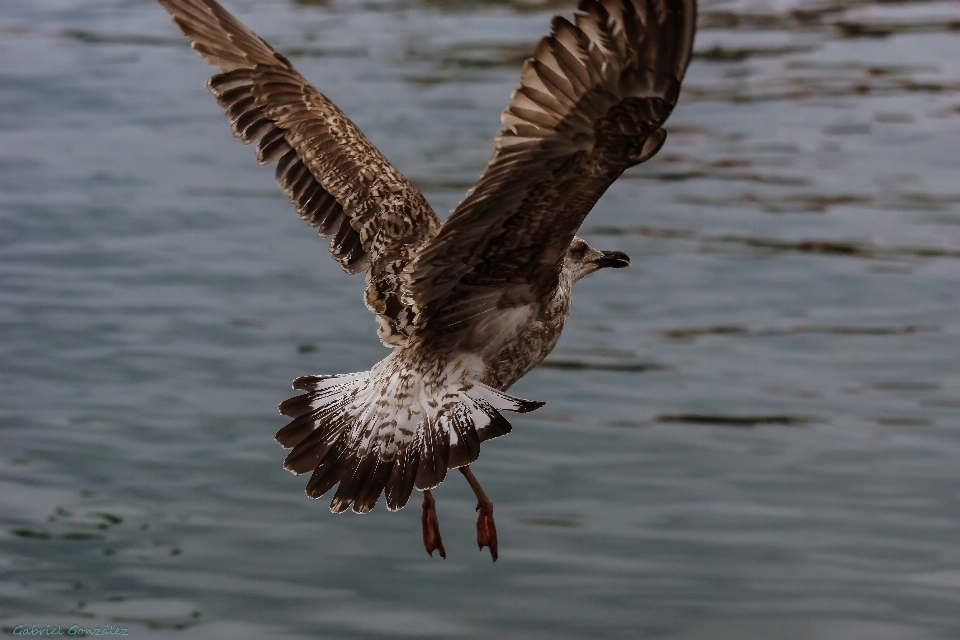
578	251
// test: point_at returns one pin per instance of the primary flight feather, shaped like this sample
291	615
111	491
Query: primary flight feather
471	305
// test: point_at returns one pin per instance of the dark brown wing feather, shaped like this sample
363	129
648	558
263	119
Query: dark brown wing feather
337	180
590	105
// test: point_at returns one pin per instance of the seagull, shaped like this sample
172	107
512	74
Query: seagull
467	306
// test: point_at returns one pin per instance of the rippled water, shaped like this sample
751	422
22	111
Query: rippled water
753	433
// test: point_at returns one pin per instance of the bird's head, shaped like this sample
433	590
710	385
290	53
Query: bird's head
582	259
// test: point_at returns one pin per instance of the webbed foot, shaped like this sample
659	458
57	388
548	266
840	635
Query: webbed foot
431	526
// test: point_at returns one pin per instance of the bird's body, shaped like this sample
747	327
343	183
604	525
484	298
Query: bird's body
442	383
470	305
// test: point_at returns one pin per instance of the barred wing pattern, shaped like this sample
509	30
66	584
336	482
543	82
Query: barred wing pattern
591	104
337	180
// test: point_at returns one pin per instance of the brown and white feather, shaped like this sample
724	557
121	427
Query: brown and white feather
590	104
473	305
337	180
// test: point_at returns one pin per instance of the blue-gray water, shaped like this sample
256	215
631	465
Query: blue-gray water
752	433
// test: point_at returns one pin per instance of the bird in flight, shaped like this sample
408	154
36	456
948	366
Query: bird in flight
471	305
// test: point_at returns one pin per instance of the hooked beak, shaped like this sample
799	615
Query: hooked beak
615	259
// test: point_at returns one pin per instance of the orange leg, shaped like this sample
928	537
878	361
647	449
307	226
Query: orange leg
431	526
486	529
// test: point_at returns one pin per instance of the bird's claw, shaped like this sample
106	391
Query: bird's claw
431	526
486	529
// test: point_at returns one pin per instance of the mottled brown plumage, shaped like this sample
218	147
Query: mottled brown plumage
337	180
471	305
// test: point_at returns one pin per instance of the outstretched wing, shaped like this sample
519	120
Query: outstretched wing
337	180
591	104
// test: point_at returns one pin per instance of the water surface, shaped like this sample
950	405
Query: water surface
752	433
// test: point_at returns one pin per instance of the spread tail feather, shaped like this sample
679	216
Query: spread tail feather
387	433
